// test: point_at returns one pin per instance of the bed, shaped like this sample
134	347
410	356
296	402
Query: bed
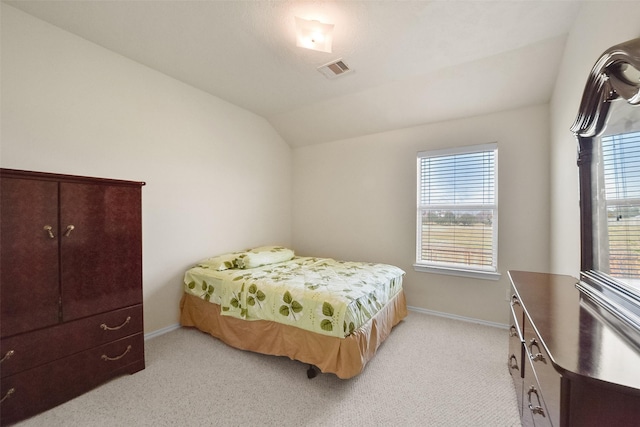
332	315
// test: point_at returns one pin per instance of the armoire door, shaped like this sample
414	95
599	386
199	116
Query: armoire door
100	248
29	282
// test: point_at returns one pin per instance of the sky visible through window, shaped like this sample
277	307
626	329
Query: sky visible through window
621	160
462	179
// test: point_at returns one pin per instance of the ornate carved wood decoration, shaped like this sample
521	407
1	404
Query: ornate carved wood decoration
609	80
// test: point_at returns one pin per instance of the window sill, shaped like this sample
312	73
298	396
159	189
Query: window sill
475	274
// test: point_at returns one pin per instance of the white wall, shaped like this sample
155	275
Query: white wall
356	199
218	177
69	106
599	26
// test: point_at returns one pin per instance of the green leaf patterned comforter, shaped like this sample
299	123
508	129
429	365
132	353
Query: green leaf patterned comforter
316	294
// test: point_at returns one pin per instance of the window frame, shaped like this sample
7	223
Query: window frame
464	270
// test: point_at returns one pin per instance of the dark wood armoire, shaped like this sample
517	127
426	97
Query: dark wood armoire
70	287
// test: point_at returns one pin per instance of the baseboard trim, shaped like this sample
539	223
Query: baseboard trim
161	331
456	317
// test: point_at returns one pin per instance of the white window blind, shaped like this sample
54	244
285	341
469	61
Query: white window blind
458	208
621	168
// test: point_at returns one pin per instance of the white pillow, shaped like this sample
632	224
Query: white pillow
264	255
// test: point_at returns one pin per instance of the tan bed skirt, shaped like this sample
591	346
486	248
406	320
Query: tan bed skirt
345	357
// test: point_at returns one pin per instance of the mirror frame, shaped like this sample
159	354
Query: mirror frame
606	83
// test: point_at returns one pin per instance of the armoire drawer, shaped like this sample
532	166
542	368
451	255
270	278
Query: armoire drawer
32	349
46	386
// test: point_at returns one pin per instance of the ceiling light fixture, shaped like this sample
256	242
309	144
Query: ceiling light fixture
314	35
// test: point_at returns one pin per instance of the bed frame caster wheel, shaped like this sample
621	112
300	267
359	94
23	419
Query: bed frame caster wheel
311	372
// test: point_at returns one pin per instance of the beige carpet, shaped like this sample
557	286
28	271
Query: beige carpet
431	371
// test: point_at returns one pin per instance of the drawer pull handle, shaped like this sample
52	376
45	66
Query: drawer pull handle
538	356
513	331
513	362
115	328
515	300
8	355
8	395
109	359
535	409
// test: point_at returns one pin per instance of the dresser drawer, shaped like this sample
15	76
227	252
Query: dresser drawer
36	390
28	350
515	359
517	312
546	375
516	350
534	407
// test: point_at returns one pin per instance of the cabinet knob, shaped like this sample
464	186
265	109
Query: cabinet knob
69	229
49	230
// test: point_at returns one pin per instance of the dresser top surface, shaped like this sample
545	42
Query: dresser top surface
578	338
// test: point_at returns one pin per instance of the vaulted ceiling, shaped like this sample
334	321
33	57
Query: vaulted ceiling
413	62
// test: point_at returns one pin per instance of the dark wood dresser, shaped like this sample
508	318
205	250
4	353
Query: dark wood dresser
70	287
571	365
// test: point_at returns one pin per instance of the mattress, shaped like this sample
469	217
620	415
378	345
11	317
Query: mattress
320	295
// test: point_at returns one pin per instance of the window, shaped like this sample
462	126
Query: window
457	215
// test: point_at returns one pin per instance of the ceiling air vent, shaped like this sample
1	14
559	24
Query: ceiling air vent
334	69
